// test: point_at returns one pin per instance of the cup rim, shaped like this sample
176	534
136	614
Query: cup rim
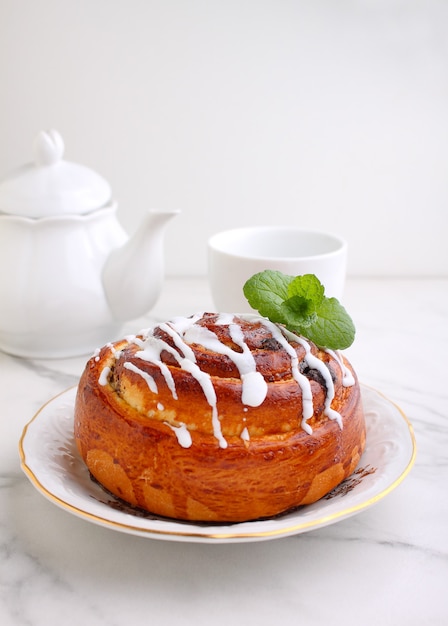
217	242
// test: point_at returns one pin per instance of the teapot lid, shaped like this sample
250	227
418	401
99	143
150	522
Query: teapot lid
51	186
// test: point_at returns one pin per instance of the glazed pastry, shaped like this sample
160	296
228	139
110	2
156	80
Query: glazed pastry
219	418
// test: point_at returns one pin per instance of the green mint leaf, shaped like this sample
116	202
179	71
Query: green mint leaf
307	286
300	304
266	291
332	328
298	311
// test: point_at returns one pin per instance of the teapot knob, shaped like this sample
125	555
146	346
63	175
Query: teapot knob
48	147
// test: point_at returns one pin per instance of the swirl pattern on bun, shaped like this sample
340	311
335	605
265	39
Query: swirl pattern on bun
219	418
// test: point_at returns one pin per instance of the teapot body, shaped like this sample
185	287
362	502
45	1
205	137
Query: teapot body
52	300
69	274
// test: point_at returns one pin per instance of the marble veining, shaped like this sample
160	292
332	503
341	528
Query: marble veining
388	565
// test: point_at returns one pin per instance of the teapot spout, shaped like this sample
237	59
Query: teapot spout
133	274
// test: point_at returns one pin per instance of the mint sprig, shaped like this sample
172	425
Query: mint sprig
300	304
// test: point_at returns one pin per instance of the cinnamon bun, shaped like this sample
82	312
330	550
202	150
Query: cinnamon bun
219	418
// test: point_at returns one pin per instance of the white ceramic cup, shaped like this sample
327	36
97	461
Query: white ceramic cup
236	255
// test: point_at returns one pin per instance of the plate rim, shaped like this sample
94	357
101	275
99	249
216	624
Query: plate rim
208	535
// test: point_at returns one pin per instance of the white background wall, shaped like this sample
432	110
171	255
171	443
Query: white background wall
325	114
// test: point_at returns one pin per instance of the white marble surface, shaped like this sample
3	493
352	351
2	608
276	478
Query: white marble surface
387	565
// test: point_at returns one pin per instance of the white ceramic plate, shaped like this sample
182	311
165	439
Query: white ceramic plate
51	461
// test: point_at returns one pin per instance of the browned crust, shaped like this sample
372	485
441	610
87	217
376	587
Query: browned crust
134	454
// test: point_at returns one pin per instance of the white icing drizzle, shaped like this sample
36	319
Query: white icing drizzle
175	333
151	351
146	377
140	341
182	433
301	379
185	331
116	353
224	319
104	376
205	381
314	363
348	380
254	386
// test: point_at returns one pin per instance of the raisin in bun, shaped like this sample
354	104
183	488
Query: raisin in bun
219	418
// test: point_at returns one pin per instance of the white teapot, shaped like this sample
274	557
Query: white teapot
69	274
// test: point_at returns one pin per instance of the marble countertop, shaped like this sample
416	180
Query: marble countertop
386	565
